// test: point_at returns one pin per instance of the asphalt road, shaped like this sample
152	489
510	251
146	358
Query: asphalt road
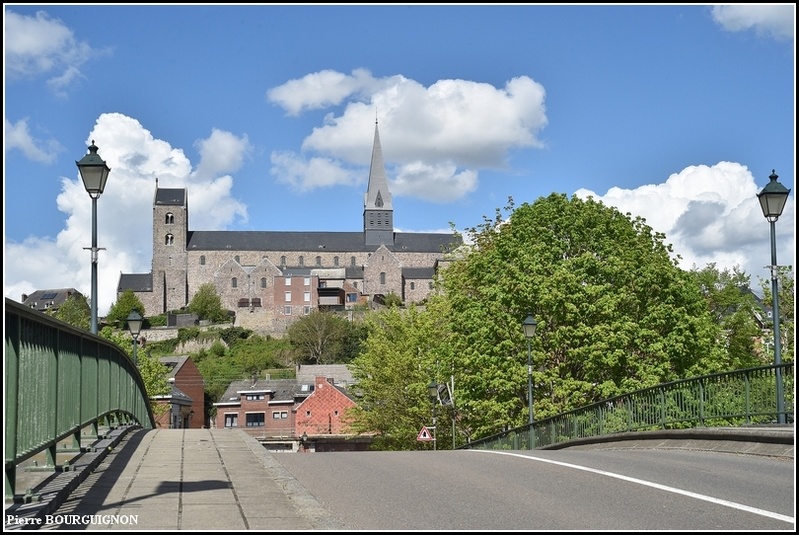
551	490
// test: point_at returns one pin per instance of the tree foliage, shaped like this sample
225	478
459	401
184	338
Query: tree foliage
75	311
786	292
615	314
734	309
400	357
118	313
207	304
322	338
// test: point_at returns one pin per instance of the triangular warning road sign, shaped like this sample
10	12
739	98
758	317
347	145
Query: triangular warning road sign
424	435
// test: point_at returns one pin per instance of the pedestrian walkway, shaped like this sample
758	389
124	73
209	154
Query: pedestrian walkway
189	479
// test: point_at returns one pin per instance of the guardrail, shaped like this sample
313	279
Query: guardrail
740	397
60	380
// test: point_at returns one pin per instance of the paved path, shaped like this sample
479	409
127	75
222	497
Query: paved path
192	479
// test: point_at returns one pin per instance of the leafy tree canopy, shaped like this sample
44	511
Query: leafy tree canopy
207	304
75	311
322	338
119	311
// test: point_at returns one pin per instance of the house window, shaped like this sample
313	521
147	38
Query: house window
306	296
382	277
287	297
288	281
355	284
170	219
202	260
282	261
234	283
169	239
352	261
335	261
413	286
280	415
307	281
232	420
254	397
255	419
263	282
301	261
306	309
351	298
287	310
318	260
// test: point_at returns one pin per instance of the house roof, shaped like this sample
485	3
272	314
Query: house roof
138	282
176	395
342	242
283	389
174	363
341	375
48	299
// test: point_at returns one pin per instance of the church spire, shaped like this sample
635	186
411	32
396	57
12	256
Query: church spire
378	210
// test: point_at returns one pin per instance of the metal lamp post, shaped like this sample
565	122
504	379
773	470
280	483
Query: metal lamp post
529	324
94	172
772	201
134	326
432	392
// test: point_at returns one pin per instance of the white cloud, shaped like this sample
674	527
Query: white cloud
436	139
309	174
775	21
41	45
124	225
710	215
18	136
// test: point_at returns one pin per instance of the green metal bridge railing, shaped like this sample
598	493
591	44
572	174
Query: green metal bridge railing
60	380
741	397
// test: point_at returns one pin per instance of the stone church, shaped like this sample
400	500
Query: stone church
271	278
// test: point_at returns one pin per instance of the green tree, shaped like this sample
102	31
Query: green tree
787	308
207	304
734	308
400	358
118	313
75	311
615	314
319	337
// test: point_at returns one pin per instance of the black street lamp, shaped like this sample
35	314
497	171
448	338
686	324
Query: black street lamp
772	201
529	324
134	326
432	393
94	172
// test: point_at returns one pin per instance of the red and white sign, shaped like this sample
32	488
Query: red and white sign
424	435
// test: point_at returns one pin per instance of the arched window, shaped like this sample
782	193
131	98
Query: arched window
169	240
202	260
169	219
318	260
237	259
302	261
413	286
282	261
335	261
382	277
263	282
234	283
352	261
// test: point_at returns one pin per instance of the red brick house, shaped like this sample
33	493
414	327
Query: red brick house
186	400
291	414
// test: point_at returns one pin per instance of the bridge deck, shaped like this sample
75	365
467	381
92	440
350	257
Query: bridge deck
192	479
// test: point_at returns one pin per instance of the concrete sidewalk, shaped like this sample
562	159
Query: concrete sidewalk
190	479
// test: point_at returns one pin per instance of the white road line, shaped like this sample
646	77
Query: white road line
703	497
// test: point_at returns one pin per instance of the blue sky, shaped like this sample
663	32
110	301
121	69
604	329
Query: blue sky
266	113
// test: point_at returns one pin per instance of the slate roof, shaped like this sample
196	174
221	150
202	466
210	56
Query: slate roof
176	395
341	375
170	196
48	299
418	272
283	389
138	282
339	242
